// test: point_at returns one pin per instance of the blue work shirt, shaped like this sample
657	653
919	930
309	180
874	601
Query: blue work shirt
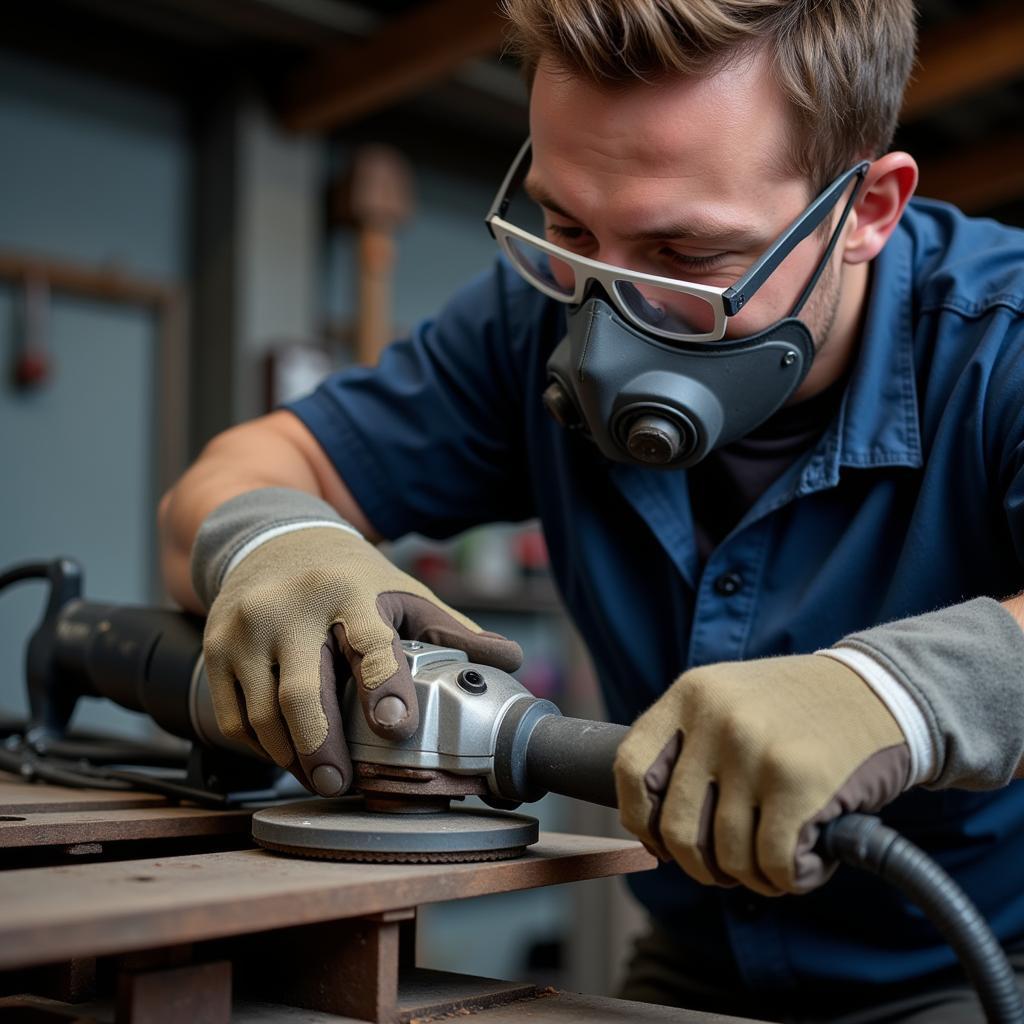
912	499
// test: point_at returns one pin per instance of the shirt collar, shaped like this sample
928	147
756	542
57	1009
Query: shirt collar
877	423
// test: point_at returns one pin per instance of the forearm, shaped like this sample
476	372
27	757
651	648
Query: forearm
242	459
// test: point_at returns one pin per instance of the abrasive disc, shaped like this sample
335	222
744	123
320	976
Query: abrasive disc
344	830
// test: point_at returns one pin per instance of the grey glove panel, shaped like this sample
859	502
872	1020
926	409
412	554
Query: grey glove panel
964	667
229	527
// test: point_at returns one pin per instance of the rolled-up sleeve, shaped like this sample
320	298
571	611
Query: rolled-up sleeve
432	439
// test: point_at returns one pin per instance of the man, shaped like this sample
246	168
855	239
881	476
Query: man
795	413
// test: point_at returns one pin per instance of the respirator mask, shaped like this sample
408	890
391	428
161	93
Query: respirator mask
645	370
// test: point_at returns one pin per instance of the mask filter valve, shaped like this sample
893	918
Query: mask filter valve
560	405
657	440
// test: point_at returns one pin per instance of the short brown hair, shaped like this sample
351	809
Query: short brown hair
842	64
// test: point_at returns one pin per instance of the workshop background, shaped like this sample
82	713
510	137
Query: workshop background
205	205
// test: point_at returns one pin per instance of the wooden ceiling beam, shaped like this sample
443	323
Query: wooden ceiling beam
977	179
407	53
965	56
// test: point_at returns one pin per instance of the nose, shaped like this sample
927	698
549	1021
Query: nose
652	312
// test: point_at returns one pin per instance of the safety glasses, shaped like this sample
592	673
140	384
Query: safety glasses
670	308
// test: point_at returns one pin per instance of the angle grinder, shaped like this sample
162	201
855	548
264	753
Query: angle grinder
481	734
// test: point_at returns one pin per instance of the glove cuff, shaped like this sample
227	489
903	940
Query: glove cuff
891	692
962	668
235	529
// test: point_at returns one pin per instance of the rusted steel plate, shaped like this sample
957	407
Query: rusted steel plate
88	909
550	1008
63	828
575	1008
17	797
425	995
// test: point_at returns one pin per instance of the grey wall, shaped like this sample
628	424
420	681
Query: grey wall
102	173
95	173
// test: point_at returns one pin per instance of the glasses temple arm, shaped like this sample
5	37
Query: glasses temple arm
513	179
823	262
734	298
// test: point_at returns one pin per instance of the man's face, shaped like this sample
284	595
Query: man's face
684	178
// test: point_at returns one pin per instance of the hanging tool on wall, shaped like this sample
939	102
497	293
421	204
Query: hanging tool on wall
375	196
32	365
481	733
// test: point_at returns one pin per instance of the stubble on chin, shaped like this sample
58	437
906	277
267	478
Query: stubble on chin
822	308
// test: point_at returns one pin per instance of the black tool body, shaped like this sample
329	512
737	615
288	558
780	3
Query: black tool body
140	658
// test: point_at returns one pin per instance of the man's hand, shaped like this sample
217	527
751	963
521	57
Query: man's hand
279	619
733	771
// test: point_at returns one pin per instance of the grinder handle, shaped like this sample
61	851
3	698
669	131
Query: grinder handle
574	757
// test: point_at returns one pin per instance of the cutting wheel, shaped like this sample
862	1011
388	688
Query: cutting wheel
344	830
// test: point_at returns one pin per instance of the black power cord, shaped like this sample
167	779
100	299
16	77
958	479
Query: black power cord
862	841
19	758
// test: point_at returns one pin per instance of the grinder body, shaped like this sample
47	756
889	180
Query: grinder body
476	721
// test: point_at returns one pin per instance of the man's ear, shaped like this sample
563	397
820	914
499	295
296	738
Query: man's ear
887	188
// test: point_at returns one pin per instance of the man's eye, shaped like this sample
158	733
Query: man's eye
695	263
567	233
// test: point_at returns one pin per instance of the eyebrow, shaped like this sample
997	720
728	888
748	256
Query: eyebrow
702	230
540	195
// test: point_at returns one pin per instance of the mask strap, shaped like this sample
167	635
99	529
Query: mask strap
823	262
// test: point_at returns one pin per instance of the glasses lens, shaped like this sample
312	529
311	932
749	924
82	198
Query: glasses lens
542	269
673	313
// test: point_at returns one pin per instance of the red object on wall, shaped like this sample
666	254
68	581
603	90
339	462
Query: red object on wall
32	366
31	369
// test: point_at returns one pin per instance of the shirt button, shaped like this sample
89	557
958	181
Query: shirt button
729	583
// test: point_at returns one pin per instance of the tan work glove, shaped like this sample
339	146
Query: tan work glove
277	623
732	772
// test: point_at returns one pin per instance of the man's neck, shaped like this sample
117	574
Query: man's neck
834	358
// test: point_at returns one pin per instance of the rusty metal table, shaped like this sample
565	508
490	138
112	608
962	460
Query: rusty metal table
120	907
